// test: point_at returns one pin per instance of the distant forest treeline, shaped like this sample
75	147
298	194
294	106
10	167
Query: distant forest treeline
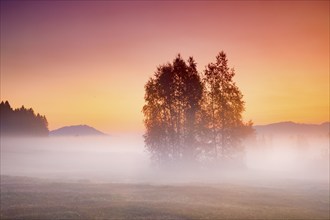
22	121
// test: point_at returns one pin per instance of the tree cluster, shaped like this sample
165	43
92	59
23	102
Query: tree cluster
192	117
22	121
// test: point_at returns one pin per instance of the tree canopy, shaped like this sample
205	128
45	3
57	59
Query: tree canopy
173	99
190	116
223	107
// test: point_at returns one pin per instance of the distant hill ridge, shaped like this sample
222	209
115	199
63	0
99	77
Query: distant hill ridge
292	128
76	130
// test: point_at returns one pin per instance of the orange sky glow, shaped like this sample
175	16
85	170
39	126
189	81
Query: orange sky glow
86	62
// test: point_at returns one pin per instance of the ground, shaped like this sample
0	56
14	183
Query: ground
33	198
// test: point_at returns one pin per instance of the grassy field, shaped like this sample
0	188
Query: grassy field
32	198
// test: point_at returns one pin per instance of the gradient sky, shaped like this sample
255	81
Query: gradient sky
86	62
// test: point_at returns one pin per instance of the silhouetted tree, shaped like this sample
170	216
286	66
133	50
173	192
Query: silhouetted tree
191	119
222	108
22	121
172	98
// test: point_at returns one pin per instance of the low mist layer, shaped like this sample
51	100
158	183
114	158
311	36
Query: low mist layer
71	157
122	158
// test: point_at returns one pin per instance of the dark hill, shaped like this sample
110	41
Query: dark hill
76	130
291	128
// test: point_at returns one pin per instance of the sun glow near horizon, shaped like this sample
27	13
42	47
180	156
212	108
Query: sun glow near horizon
88	62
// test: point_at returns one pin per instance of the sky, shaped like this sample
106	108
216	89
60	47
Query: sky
86	62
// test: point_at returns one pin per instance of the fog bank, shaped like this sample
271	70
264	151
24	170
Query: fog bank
122	158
